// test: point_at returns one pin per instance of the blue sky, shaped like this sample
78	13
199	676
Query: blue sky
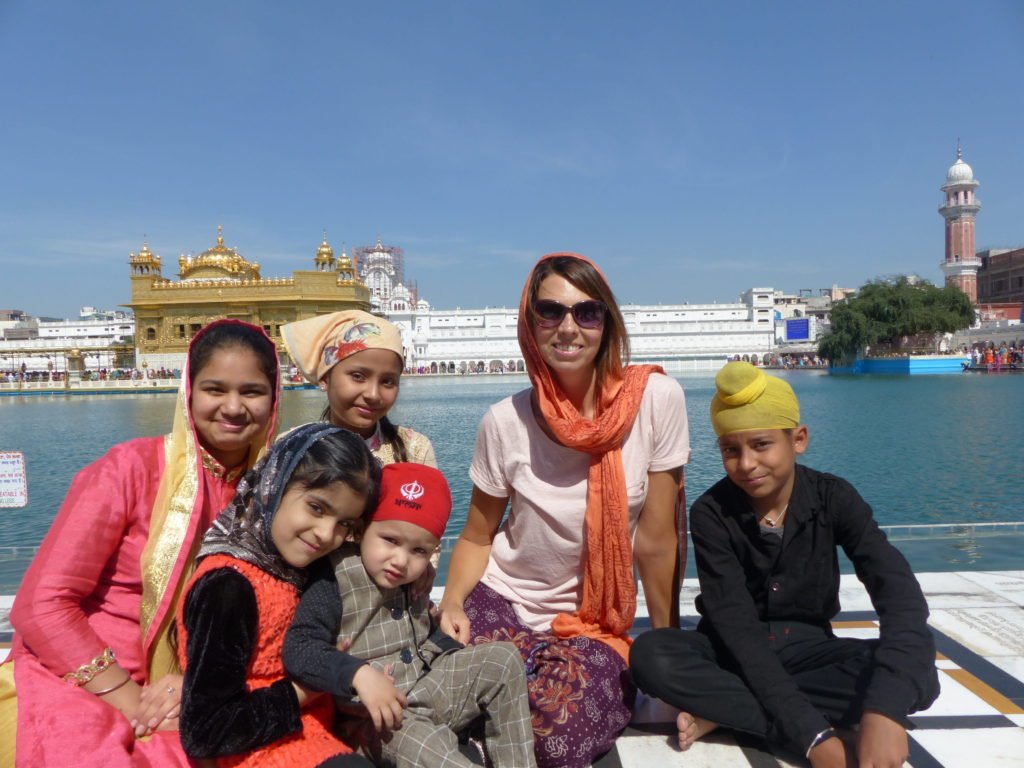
693	149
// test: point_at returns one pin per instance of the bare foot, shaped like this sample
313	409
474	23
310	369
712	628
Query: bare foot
692	728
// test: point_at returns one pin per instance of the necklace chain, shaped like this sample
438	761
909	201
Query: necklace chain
772	523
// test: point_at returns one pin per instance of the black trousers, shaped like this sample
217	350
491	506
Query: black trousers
693	671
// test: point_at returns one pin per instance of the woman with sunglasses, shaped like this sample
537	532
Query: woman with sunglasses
591	457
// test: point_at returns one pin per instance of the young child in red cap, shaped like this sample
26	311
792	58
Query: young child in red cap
414	686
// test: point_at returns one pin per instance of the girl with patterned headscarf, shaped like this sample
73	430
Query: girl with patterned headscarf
298	504
590	458
357	359
96	677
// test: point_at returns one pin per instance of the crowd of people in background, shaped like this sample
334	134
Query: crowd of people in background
22	375
789	360
993	356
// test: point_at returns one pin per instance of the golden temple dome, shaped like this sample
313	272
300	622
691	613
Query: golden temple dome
145	262
346	269
324	255
144	256
219	262
325	250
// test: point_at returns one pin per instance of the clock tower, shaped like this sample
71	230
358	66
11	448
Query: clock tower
961	263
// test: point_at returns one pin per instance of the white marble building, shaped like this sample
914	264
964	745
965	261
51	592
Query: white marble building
680	337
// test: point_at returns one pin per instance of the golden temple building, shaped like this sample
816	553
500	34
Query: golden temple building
221	283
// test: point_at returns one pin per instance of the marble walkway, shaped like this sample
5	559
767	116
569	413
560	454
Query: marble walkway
977	722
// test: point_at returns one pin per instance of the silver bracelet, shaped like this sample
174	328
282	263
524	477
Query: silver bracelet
825	735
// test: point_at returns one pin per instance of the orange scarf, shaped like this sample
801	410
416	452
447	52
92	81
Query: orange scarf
609	590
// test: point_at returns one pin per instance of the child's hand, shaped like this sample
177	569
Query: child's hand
831	753
882	742
159	702
382	699
305	695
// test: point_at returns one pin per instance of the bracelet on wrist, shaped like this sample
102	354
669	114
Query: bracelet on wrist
87	672
112	688
825	735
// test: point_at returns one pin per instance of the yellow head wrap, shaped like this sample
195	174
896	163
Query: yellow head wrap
747	398
319	343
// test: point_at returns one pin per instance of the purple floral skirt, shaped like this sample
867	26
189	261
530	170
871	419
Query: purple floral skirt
581	695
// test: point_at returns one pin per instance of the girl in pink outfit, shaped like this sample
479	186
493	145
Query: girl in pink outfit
93	679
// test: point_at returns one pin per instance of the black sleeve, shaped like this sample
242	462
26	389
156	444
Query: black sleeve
219	715
310	654
904	678
732	612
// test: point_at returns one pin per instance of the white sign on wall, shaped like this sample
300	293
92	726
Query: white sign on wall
13	480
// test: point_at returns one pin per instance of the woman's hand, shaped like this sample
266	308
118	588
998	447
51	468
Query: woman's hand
454	622
383	701
159	705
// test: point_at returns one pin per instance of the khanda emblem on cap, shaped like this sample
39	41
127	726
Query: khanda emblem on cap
412	491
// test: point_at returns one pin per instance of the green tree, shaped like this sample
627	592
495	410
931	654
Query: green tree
894	315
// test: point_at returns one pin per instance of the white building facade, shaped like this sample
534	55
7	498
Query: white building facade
41	345
679	337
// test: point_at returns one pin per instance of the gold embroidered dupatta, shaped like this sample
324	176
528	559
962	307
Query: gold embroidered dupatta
168	559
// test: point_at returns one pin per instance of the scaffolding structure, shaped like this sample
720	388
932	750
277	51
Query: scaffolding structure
380	255
389	259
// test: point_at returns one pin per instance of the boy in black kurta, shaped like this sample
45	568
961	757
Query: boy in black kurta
764	659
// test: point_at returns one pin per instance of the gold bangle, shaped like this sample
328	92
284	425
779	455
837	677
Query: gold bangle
112	688
87	672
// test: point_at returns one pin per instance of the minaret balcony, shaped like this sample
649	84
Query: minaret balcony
965	266
959	209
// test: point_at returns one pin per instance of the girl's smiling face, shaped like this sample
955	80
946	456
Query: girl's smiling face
313	522
362	388
231	404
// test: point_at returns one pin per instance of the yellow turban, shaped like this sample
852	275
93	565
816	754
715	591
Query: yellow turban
747	398
317	344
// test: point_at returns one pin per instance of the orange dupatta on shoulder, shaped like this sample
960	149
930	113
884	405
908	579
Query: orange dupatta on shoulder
608	605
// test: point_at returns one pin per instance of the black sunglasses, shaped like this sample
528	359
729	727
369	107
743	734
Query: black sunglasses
587	314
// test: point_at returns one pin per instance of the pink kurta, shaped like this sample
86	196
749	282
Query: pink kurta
81	594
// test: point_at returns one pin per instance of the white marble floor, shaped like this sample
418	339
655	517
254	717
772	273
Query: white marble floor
977	721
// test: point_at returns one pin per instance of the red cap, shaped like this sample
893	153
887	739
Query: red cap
417	494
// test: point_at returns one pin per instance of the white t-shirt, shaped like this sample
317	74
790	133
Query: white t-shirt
537	556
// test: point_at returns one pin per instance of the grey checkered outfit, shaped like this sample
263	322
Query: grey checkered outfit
447	686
